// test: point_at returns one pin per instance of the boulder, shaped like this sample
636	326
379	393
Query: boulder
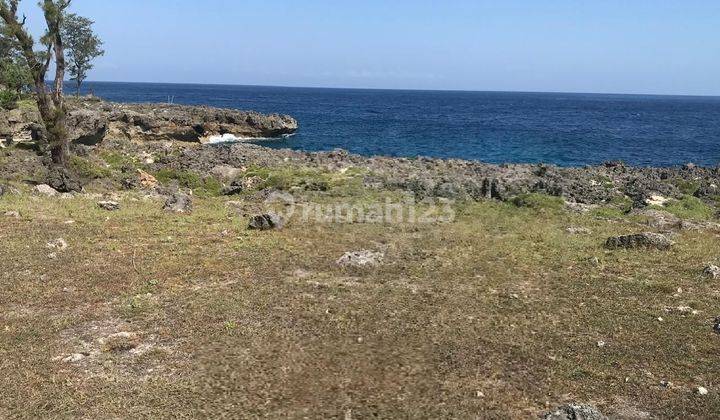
62	180
266	221
178	203
575	412
647	240
146	180
46	190
712	272
716	325
109	205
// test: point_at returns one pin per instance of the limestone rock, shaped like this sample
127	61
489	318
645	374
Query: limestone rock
266	221
646	240
361	259
63	181
146	180
59	244
87	127
178	203
109	205
659	219
46	190
712	271
575	412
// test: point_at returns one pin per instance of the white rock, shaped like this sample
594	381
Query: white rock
13	214
701	390
363	258
109	205
58	243
712	271
46	190
74	358
657	200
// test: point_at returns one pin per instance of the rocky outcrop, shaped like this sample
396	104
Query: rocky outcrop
178	203
646	240
266	221
199	124
90	121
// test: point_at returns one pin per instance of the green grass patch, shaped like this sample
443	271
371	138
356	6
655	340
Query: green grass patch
687	187
201	186
308	179
118	161
538	201
27	104
88	169
690	208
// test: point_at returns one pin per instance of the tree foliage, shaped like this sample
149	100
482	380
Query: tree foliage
50	103
82	46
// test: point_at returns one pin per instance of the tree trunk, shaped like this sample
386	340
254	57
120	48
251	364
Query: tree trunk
58	138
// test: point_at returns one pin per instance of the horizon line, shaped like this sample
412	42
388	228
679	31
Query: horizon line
410	89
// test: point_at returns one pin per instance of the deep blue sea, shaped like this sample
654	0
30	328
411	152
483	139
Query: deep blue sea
558	128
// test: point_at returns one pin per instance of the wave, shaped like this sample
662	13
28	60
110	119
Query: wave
231	138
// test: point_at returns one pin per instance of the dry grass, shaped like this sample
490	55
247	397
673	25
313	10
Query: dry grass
496	315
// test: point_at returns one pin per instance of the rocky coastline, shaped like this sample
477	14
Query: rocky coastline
92	120
173	137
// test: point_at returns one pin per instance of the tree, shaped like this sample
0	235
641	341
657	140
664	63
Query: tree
51	103
82	46
14	76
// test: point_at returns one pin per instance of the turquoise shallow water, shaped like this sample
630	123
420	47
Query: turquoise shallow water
497	127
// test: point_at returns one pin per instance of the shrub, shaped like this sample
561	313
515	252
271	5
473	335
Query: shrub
690	208
88	169
201	186
8	99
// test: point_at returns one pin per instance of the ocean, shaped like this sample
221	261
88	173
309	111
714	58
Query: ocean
497	127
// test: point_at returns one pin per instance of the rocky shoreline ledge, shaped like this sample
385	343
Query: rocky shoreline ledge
155	137
92	120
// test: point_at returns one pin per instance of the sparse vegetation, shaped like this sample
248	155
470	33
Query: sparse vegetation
195	310
690	208
203	186
542	202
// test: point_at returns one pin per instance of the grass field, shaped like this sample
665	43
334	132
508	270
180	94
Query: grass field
499	314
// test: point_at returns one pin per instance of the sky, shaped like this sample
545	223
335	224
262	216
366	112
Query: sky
605	46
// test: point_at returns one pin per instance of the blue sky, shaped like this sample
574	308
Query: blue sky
615	46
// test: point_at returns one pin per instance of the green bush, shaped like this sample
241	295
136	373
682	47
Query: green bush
8	99
88	169
690	208
201	186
